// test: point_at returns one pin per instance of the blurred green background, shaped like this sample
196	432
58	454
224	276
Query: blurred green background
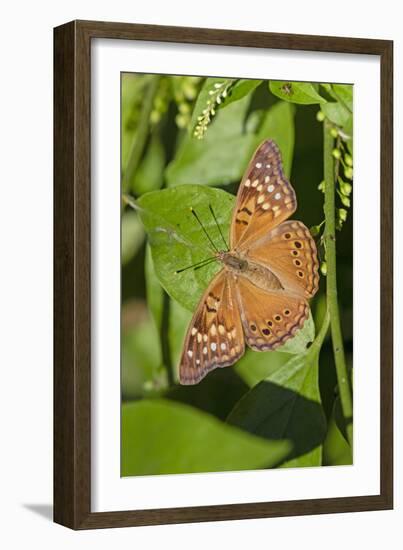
167	428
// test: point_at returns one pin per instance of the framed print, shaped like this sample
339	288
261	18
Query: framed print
223	275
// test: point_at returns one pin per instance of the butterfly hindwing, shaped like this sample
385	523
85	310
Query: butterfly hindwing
265	197
289	251
269	319
214	337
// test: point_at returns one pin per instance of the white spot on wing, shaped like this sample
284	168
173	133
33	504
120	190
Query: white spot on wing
213	346
205	350
223	346
270	188
277	196
258	165
190	353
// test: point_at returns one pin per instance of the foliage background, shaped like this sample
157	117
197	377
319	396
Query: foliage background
272	409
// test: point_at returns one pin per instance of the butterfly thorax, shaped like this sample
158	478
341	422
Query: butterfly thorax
258	274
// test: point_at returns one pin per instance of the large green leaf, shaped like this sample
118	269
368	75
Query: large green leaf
278	124
165	437
220	157
286	405
177	240
302	93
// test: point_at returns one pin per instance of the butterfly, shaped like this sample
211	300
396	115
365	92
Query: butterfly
260	295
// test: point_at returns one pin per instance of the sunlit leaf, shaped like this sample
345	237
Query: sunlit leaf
177	240
166	437
336	113
302	93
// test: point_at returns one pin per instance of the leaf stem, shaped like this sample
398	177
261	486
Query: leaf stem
331	285
141	134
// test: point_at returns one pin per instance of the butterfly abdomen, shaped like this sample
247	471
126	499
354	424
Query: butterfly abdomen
262	277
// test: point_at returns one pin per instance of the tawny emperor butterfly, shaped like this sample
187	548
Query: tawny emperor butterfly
260	296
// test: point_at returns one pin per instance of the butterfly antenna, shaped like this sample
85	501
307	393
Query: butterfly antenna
219	228
197	265
204	229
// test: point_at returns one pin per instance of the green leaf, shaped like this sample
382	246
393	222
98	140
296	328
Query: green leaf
132	235
165	437
176	238
336	113
255	366
240	90
286	405
302	93
220	157
344	94
278	124
150	173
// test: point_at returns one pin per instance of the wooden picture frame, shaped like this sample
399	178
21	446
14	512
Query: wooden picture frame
72	274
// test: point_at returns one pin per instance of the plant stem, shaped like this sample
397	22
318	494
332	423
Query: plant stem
331	285
141	134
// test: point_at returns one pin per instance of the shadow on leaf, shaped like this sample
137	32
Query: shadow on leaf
274	412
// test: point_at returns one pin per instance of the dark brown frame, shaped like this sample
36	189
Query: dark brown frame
72	319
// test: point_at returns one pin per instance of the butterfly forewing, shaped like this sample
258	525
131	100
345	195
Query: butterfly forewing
289	252
265	197
269	319
215	337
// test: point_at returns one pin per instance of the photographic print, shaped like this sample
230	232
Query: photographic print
236	274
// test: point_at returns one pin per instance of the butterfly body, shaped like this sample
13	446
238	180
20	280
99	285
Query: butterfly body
260	296
259	275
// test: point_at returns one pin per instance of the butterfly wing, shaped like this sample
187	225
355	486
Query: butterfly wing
289	251
269	319
214	337
265	197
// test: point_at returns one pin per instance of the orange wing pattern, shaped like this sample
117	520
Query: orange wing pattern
289	251
265	197
269	319
215	337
